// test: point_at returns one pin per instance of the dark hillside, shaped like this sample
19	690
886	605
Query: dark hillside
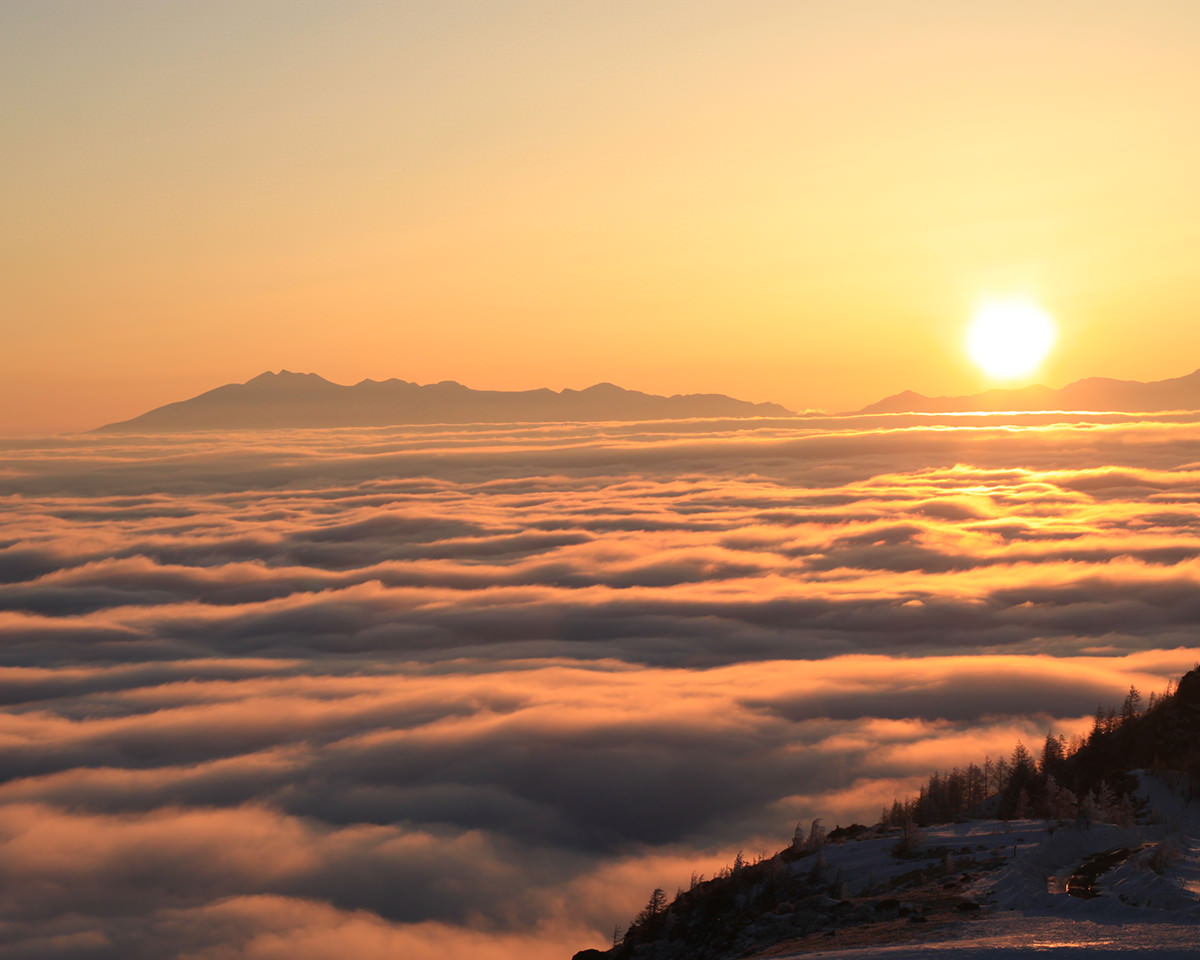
795	895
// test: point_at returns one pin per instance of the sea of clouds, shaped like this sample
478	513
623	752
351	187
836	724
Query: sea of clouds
475	691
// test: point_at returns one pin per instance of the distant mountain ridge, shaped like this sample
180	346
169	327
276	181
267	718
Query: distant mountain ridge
286	399
1093	393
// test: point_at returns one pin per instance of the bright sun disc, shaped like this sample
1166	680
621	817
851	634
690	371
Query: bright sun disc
1009	338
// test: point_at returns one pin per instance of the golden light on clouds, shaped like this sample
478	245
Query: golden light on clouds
301	678
1008	339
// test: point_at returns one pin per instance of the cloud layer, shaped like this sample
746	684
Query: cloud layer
475	691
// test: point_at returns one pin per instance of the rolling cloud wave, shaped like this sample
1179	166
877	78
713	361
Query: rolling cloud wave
474	691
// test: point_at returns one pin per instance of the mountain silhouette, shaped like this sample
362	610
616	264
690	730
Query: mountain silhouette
1093	393
286	399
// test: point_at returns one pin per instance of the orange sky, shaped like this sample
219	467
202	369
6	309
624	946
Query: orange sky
797	202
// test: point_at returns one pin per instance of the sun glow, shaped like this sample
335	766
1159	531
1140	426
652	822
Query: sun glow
1009	338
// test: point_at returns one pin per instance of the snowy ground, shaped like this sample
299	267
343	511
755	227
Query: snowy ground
1026	911
1007	938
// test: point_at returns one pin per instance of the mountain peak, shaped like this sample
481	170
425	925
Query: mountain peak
286	399
1092	393
285	376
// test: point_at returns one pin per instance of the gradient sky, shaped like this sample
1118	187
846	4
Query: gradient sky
797	202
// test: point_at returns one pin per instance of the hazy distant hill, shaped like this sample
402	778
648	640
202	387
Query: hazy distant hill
1094	393
286	399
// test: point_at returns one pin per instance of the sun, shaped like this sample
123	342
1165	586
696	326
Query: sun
1009	338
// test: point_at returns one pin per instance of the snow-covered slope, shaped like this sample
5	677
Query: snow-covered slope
1018	872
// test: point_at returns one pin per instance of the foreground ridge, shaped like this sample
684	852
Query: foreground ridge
1104	831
